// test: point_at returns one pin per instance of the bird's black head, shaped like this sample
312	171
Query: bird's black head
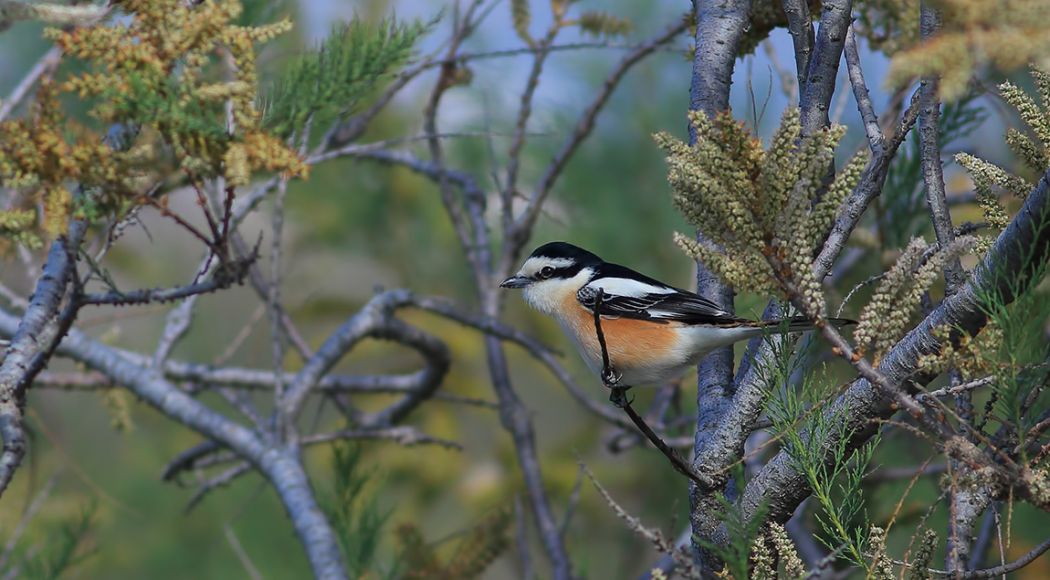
552	261
565	250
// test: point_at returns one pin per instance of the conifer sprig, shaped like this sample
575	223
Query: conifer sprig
347	66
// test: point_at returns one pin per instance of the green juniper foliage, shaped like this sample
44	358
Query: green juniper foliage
360	525
330	81
355	515
835	481
1019	363
61	550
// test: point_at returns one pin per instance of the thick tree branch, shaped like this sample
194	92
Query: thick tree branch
822	72
800	25
29	339
280	465
720	25
1026	241
375	319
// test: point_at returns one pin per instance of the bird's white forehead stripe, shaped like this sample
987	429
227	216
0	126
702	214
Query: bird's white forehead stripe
533	265
628	287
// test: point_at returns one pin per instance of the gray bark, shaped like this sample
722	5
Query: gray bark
1026	241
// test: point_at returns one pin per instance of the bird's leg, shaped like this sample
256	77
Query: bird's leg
609	376
618	397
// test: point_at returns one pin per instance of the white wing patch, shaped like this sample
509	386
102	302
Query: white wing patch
628	287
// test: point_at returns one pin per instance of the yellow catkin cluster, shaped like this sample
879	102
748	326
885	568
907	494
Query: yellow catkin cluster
883	312
763	561
991	181
1007	34
886	316
762	212
972	356
155	71
794	567
986	178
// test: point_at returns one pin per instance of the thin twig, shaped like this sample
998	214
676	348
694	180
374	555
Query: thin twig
610	378
683	562
242	555
28	514
872	128
43	67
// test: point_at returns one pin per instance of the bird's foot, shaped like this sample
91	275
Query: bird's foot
618	396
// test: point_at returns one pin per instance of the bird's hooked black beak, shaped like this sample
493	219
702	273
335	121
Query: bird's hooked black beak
516	282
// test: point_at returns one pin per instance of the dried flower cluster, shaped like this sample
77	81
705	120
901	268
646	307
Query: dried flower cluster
1007	34
920	564
881	567
155	73
887	315
762	213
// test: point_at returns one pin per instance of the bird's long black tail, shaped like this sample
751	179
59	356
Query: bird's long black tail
800	323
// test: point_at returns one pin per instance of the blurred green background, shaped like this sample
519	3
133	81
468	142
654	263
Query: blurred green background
355	226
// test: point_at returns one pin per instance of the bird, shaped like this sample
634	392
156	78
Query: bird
653	332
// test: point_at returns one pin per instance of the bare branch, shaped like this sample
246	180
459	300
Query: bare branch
281	466
34	507
800	25
28	340
872	128
518	235
683	563
374	319
43	67
822	72
223	278
402	435
1004	569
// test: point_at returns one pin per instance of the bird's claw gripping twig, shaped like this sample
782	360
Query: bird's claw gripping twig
618	396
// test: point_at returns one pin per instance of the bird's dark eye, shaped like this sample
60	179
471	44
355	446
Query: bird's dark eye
546	272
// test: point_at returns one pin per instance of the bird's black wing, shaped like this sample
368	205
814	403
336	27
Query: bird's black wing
628	294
